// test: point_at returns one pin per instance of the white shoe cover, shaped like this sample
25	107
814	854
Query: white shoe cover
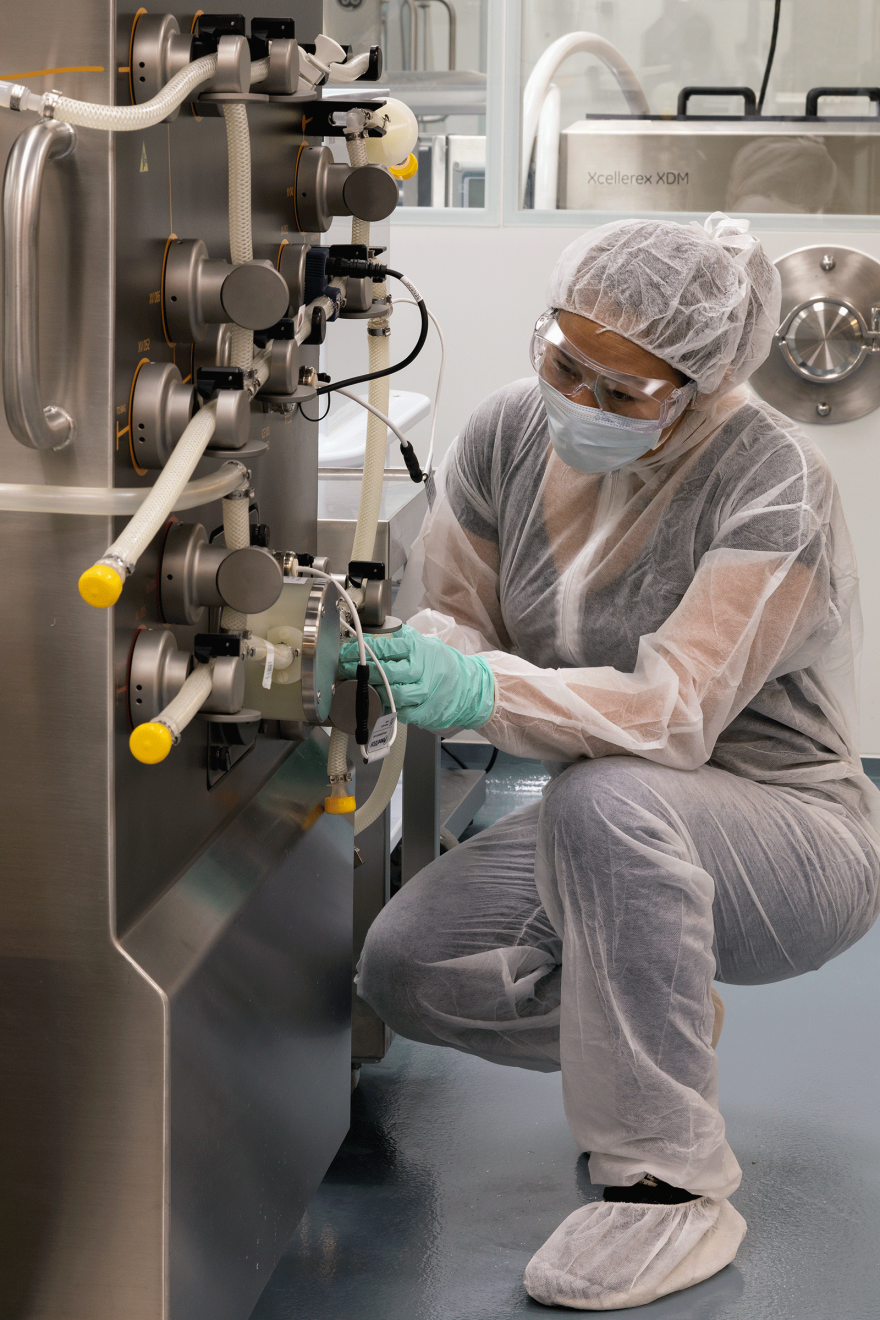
614	1254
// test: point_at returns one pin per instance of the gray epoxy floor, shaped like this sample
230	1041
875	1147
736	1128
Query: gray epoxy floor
456	1170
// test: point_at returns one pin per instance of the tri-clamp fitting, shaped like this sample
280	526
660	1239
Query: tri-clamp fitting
198	291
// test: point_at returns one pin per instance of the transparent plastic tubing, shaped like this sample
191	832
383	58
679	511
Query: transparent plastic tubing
189	701
241	246
116	501
115	118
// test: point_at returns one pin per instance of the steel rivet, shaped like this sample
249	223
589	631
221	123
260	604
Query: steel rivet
827	263
823	409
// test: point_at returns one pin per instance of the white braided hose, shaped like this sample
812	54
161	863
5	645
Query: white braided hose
259	70
189	700
237	535
357	156
377	441
241	245
117	118
385	785
139	532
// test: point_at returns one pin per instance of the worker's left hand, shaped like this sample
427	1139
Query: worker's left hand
434	685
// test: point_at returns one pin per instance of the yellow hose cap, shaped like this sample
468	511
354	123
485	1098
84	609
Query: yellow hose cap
100	586
150	743
339	806
409	168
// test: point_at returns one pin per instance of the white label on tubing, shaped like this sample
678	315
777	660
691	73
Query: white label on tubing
269	666
382	737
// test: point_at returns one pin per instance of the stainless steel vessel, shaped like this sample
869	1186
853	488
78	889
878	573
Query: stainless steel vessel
175	942
801	166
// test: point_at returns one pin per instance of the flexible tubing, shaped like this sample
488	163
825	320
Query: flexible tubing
547	151
356	398
237	535
241	245
90	500
544	71
189	700
385	785
377	440
357	156
119	118
337	757
429	461
169	486
259	70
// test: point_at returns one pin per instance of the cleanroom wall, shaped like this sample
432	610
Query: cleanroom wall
486	281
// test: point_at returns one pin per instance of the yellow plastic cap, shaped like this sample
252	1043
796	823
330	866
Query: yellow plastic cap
150	743
339	806
406	170
100	586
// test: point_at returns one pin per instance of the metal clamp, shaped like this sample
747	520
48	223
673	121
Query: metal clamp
35	425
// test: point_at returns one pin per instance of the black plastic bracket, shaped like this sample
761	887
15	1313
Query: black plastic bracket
211	646
319	119
210	379
283	329
365	570
273	29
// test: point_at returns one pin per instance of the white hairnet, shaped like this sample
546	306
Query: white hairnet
705	299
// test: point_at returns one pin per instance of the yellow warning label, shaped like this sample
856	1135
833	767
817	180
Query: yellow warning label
144	166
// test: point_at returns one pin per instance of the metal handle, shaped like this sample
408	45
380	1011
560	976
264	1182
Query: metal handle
32	424
813	95
414	29
751	101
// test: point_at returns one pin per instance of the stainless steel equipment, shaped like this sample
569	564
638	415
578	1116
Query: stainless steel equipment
824	366
805	165
176	939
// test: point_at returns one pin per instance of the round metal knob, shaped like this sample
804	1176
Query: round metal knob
824	340
255	295
250	580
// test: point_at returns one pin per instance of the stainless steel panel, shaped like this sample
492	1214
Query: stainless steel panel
161	1127
796	166
252	948
421	801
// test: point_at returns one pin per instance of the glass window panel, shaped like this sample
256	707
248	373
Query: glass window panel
435	54
584	148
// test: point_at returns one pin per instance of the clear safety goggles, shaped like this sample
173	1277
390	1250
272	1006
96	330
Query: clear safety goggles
571	372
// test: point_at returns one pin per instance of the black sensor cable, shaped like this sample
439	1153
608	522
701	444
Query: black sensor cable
773	36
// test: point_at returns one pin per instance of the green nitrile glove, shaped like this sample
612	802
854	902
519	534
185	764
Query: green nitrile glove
434	685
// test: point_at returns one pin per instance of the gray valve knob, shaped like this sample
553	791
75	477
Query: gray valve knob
194	574
198	292
323	189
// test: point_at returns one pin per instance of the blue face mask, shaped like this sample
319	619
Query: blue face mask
592	441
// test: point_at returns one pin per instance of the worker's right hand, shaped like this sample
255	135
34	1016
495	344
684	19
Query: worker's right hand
433	684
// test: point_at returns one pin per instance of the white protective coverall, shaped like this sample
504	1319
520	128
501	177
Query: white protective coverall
677	639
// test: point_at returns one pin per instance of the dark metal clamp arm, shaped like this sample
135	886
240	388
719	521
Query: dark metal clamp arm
35	425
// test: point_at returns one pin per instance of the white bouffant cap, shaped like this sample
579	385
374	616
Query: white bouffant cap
703	298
